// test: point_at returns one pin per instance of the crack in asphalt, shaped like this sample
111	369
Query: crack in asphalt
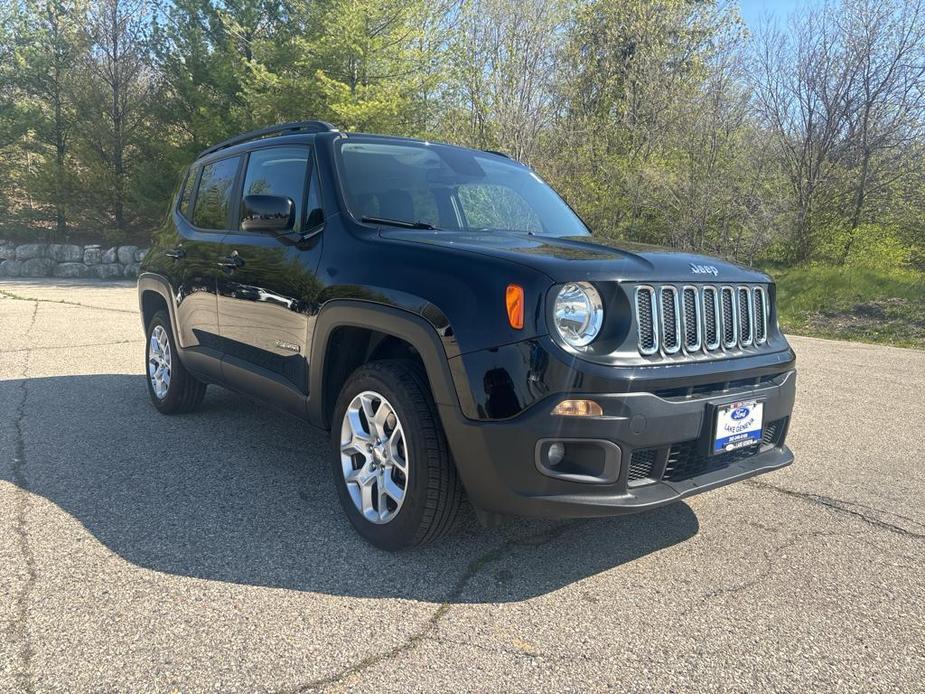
498	649
426	631
18	297
768	558
71	346
847	508
21	510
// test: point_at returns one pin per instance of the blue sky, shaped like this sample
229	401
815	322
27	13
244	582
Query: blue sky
754	10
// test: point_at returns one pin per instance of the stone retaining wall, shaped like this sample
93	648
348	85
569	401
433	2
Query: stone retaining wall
69	260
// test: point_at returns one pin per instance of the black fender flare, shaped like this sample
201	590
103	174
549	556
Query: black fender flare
410	327
151	282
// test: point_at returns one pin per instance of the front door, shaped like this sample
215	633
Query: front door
269	286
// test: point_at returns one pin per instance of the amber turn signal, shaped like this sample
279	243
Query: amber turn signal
578	408
514	299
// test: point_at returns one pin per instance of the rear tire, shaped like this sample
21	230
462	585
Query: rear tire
172	388
394	475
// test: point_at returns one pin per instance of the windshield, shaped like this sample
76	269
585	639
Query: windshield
423	185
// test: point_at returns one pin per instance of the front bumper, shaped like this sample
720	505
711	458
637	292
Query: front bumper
660	441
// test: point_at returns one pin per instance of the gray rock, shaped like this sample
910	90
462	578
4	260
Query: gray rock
127	254
7	251
10	268
140	254
27	251
65	252
107	271
110	255
93	255
131	271
36	267
70	270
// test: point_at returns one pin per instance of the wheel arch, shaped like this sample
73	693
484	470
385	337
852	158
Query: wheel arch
371	331
153	294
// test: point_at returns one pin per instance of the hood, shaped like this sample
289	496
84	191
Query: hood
588	257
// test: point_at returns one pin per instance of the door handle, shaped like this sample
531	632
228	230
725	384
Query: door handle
231	262
175	253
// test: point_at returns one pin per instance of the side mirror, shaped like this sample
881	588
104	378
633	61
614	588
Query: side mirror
271	213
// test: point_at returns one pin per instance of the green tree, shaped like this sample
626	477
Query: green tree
632	90
370	64
47	65
503	58
117	95
200	70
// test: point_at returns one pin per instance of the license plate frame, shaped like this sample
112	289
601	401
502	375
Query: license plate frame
737	425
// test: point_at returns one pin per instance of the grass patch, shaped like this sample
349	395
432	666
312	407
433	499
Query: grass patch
885	306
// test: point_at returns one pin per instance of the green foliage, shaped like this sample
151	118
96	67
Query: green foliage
867	246
655	144
42	81
651	117
872	304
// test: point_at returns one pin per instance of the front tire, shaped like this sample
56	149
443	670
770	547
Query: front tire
391	464
172	388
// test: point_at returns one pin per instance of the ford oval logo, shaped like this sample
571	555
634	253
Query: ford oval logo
740	413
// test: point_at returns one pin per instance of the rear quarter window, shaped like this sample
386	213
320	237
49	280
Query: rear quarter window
186	192
213	199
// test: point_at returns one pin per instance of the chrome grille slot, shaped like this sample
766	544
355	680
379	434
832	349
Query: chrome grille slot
690	303
761	315
646	313
746	316
671	319
730	321
711	318
700	320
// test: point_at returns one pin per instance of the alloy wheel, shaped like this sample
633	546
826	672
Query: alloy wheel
159	362
374	457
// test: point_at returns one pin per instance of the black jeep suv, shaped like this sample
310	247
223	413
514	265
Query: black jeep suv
459	330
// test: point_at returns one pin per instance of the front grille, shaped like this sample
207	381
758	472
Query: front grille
729	317
641	464
690	302
645	319
772	432
671	320
761	315
687	459
746	309
713	389
687	320
711	317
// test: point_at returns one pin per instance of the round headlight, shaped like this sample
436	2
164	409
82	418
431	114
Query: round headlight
578	313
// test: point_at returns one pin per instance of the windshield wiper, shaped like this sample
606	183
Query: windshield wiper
398	223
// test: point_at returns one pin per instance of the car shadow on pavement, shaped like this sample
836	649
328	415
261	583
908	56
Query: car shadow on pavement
236	492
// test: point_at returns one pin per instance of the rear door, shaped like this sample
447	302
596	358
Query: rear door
203	219
269	285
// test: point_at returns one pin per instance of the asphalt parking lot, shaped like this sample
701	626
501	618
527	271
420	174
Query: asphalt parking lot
208	552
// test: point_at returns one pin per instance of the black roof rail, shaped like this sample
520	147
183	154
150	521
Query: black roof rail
500	154
302	126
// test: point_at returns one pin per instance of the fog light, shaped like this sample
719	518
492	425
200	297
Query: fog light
578	408
555	454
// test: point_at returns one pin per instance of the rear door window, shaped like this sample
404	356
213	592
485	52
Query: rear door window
213	199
